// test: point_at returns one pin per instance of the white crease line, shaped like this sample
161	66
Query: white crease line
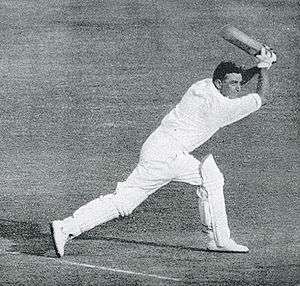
115	270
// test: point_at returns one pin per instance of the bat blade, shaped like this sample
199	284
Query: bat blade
241	40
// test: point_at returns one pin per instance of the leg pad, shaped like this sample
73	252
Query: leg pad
211	200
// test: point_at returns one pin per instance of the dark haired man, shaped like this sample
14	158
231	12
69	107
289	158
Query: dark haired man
207	106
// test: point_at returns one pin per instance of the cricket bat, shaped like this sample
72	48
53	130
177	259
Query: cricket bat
241	40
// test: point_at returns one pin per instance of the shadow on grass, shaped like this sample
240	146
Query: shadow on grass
155	244
28	239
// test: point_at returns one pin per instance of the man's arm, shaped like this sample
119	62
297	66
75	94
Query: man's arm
249	74
240	107
266	58
263	85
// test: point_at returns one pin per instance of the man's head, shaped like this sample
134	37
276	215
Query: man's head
227	78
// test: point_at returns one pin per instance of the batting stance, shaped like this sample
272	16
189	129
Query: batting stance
207	106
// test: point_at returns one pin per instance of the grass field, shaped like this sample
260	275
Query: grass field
83	83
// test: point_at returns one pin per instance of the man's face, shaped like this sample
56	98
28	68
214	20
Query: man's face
230	86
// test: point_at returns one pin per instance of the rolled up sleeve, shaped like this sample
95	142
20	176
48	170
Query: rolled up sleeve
236	109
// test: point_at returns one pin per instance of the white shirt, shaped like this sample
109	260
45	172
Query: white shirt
202	111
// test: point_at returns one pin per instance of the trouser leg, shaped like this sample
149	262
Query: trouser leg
146	178
209	179
95	212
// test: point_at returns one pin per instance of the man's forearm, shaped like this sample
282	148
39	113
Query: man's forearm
263	85
249	74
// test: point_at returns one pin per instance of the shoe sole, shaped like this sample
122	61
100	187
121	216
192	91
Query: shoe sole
53	239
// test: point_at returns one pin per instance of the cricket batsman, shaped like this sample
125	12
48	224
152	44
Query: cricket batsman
207	106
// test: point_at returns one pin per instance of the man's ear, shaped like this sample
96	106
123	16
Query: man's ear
218	83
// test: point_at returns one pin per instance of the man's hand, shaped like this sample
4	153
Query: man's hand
266	58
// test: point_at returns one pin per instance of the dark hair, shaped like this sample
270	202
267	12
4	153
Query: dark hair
225	68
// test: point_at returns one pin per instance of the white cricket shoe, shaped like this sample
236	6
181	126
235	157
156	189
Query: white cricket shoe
59	237
230	246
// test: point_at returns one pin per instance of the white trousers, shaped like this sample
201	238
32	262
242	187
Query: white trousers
149	176
157	167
